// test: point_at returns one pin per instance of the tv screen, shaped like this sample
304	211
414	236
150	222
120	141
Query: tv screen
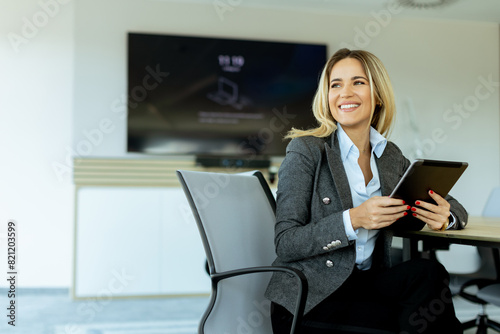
218	97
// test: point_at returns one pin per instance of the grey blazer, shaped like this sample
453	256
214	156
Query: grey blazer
313	191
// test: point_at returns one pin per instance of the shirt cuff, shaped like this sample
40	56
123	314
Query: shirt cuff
452	222
349	231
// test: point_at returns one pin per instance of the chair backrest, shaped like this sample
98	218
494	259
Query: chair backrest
492	207
235	214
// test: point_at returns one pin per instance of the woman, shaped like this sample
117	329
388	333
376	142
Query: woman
334	215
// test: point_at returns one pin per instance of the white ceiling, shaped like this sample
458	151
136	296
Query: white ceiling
468	10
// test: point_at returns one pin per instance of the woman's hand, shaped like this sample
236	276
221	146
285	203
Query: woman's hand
377	212
435	216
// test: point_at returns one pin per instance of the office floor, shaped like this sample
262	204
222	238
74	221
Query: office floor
51	311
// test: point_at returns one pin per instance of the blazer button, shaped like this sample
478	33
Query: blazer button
326	200
329	264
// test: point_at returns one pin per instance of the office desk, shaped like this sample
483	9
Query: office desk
480	231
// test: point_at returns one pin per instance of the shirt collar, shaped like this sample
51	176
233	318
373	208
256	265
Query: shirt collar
377	142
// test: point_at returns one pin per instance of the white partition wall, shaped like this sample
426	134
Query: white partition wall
117	241
137	241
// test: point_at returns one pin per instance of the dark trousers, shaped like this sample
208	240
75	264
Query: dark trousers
411	297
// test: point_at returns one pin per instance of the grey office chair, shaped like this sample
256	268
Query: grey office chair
480	286
235	214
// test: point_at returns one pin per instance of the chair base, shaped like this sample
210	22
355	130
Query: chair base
482	322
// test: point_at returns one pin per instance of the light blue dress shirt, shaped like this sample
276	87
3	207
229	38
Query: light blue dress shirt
365	239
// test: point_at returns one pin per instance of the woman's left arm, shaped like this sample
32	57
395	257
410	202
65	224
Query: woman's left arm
447	213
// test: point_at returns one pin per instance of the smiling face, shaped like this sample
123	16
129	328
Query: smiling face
349	95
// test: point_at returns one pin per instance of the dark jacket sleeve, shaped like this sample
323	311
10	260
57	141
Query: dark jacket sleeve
458	212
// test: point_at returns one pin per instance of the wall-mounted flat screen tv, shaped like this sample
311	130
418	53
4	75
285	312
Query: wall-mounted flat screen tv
216	96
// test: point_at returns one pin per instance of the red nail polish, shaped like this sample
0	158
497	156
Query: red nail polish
404	202
408	207
417	203
413	209
405	213
430	191
414	215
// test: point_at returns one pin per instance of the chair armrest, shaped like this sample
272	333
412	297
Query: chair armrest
480	283
302	290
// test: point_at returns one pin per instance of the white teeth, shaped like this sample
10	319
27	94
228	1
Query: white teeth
346	106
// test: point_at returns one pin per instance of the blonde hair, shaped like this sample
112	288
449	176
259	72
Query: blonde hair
382	96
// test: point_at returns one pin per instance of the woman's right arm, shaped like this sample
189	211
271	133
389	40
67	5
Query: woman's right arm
296	235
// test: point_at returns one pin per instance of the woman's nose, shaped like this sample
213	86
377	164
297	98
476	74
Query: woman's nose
346	92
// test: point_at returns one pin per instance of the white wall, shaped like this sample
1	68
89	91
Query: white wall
452	88
52	96
35	127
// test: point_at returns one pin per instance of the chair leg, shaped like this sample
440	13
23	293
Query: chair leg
469	324
482	324
494	325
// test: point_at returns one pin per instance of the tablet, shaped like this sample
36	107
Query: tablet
424	175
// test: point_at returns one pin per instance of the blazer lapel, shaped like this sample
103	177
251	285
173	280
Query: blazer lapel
384	165
338	172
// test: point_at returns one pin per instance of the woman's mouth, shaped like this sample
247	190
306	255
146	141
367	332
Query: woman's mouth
349	107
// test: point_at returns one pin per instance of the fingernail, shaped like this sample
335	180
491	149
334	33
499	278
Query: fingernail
414	215
417	202
413	209
404	202
408	207
405	213
430	191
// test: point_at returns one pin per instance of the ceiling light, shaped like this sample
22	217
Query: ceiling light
425	3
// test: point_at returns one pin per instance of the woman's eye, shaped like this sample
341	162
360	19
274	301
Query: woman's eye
359	83
335	85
